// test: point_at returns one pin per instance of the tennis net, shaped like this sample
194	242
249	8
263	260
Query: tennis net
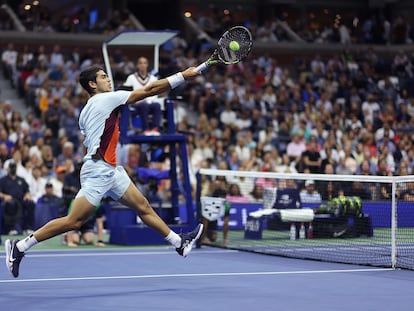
367	220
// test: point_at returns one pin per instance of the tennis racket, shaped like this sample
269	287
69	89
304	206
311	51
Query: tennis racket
233	46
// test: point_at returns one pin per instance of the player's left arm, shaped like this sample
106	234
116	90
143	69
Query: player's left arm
163	85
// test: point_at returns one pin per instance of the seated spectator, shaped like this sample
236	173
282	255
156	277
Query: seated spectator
234	195
265	182
218	189
311	158
407	194
71	186
18	207
68	152
36	183
256	195
296	147
309	194
342	168
86	232
329	189
47	206
57	180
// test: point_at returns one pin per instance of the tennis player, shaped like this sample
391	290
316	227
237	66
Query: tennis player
100	175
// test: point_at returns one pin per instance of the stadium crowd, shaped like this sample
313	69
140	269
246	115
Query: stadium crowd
351	112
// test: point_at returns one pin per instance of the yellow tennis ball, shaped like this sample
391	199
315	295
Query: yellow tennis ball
234	46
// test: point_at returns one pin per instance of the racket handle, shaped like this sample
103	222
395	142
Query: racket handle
201	67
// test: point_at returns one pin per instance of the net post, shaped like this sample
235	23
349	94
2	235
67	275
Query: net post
393	225
198	202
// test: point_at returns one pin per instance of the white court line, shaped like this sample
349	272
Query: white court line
192	275
139	253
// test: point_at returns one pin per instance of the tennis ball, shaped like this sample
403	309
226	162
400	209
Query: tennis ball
234	46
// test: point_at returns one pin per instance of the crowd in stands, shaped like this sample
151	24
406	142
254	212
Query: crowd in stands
346	113
288	24
315	25
37	17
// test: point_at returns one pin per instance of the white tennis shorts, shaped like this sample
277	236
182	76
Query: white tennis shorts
98	178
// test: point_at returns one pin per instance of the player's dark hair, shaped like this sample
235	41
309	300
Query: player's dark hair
89	74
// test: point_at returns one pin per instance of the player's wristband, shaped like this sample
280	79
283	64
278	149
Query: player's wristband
176	80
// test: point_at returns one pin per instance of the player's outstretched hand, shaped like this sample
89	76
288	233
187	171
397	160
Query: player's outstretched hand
190	73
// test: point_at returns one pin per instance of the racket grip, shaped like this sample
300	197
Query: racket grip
201	67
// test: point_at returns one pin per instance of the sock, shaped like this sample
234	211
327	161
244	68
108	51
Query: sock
27	243
173	238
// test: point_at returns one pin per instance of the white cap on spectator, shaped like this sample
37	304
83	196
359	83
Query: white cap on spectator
309	182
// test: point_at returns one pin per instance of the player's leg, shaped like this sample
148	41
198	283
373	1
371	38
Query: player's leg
182	242
134	199
81	210
79	213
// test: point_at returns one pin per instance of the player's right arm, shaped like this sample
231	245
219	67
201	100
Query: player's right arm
162	85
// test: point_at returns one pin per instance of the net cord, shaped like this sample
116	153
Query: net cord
300	176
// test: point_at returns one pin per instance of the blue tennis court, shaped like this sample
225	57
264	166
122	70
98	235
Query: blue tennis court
209	279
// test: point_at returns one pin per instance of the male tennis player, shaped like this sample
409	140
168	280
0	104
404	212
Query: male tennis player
99	175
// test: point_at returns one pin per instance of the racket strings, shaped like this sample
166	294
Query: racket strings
243	37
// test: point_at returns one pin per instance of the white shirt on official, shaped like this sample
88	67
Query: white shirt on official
137	82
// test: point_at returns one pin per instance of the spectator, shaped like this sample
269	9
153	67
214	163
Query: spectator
86	232
57	180
47	206
370	107
329	189
234	194
218	190
309	193
52	117
201	152
36	184
256	195
32	86
296	147
407	194
68	153
9	61
311	158
71	186
69	125
18	206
